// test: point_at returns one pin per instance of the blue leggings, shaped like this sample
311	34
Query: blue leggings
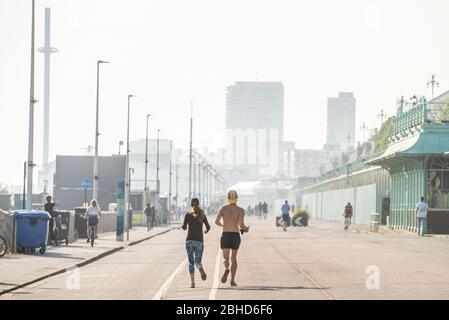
195	254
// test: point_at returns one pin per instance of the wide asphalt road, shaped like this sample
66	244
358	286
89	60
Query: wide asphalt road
321	261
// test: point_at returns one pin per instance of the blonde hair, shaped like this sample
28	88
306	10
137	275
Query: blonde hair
94	203
232	196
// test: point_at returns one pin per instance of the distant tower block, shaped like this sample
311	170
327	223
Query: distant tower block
47	49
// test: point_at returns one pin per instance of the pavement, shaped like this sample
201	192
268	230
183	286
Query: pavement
21	269
321	261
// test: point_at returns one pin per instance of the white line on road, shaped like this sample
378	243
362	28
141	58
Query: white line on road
213	290
167	283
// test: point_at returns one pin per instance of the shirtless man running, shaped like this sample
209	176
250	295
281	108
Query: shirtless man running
231	218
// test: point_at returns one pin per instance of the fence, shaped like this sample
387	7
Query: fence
329	205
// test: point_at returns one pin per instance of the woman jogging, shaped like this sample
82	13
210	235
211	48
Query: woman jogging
195	219
92	215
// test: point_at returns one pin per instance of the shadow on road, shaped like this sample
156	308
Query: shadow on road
271	288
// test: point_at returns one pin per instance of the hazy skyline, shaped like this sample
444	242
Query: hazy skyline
171	52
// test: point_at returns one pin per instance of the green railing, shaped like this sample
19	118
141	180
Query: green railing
423	112
341	170
412	118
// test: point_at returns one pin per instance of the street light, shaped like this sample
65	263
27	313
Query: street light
433	82
120	144
157	168
95	182
190	151
30	163
169	181
146	165
127	189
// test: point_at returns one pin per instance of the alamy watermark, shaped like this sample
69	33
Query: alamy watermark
372	282
72	282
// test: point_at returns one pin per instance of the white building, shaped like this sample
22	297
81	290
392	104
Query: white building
341	121
254	125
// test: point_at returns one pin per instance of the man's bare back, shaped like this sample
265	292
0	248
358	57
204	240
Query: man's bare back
233	218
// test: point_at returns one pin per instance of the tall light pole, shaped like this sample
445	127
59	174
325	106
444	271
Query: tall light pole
433	82
363	128
127	187
47	50
95	182
31	118
177	180
190	152
194	176
169	181
199	178
146	165
157	168
382	116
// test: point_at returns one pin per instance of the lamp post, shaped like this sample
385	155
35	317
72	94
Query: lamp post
30	163
432	83
95	182
146	167
169	181
127	187
177	181
194	176
157	170
190	151
120	144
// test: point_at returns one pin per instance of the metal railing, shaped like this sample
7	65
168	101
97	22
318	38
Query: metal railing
423	112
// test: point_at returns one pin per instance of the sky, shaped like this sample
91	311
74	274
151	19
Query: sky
172	52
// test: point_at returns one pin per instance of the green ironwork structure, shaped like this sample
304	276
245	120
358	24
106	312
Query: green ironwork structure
418	162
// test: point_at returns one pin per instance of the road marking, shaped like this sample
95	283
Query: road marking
168	282
213	290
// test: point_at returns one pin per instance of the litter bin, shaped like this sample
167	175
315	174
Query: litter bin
6	232
65	226
374	222
80	223
32	230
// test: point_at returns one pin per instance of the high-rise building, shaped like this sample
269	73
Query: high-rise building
341	121
254	125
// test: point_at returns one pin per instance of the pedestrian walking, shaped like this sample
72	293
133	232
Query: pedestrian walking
49	207
149	213
285	214
231	219
265	210
421	215
194	220
260	210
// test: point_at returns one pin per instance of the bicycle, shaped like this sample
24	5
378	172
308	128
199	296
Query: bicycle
285	222
3	246
92	232
347	222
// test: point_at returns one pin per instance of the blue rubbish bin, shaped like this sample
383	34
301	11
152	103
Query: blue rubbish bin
32	230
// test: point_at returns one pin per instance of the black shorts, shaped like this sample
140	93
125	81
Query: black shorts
230	240
93	220
285	218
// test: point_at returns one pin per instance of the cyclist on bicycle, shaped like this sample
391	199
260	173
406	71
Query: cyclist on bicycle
285	214
348	215
93	214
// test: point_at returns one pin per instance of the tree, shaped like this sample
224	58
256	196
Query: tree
383	135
